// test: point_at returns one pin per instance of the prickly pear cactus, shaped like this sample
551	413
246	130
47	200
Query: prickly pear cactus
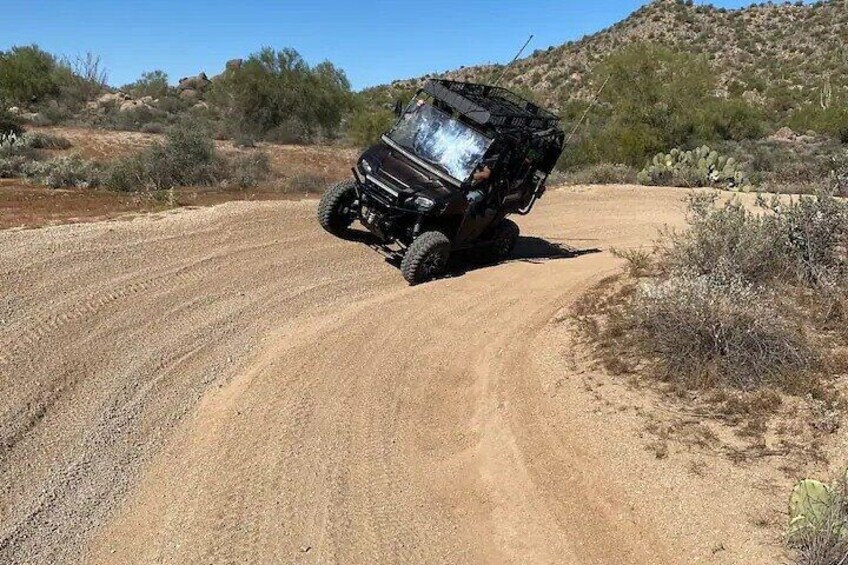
812	506
699	167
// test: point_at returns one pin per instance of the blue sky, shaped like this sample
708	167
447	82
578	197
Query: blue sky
373	41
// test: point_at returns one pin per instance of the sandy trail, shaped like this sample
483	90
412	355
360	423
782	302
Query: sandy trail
233	385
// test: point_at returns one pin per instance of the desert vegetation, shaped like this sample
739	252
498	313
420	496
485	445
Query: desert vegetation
743	313
667	81
818	528
677	76
741	298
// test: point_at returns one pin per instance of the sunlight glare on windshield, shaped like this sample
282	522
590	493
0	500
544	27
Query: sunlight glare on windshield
441	139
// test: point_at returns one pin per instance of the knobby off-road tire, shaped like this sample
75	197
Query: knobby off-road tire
334	210
426	258
504	238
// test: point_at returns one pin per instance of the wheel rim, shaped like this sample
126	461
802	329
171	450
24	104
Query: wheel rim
344	210
432	264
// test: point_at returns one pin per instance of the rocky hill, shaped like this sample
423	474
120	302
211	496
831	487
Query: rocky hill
779	55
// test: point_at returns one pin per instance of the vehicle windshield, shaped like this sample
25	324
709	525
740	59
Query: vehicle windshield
443	141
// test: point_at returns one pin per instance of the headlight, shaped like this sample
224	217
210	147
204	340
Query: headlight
423	203
366	167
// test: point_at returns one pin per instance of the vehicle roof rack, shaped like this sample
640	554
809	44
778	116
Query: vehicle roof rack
491	105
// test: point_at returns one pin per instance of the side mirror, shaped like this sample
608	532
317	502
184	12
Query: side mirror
398	108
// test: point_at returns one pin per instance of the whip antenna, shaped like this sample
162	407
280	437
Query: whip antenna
514	59
591	105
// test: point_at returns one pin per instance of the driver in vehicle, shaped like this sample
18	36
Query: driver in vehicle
480	182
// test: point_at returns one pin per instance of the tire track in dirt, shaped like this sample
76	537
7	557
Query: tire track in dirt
232	385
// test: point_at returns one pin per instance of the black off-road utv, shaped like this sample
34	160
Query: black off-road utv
459	159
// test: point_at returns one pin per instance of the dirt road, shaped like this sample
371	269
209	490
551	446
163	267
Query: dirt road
231	385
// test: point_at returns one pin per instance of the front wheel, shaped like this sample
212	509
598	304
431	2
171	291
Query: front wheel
336	210
504	238
426	258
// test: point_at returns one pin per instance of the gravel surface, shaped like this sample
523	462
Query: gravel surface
231	384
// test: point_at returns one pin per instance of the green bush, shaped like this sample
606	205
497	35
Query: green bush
152	83
186	158
9	124
831	121
654	99
366	127
129	174
27	74
278	93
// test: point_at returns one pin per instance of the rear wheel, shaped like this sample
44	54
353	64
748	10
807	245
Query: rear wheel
426	258
504	238
336	210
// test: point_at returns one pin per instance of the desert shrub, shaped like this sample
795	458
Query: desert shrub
278	89
15	155
151	83
290	131
186	158
708	330
776	166
12	166
814	233
9	124
640	262
733	299
40	140
137	119
171	104
802	240
64	172
152	127
26	74
129	174
839	173
602	173
726	238
366	127
731	119
831	121
654	99
249	169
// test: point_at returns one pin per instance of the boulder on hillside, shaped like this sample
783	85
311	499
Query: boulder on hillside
112	98
198	83
784	134
128	105
189	94
234	64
